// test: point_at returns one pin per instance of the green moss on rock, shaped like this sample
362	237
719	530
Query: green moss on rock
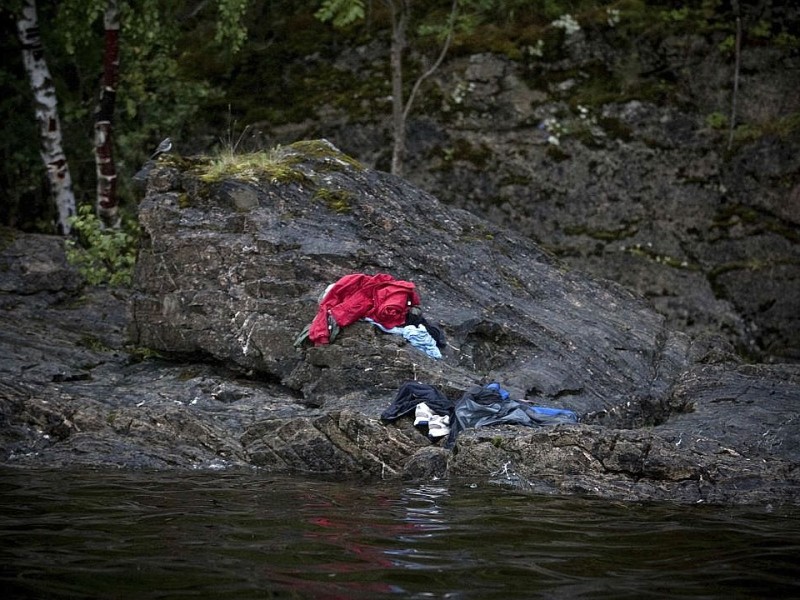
338	201
322	150
275	166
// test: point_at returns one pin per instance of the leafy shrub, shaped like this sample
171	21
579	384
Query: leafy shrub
101	255
717	120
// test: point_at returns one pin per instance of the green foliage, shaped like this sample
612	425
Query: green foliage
276	165
717	120
231	32
101	255
25	203
80	18
156	94
340	12
762	30
676	15
728	45
787	41
155	97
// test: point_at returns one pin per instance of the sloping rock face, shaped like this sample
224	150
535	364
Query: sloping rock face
233	270
644	194
204	372
636	186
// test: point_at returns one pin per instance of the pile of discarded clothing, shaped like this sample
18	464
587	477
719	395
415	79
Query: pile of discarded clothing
481	406
391	305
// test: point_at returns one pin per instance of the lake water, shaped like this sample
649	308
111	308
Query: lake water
119	534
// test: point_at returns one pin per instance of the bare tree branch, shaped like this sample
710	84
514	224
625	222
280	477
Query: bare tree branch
432	70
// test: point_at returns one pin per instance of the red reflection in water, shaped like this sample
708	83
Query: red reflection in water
332	526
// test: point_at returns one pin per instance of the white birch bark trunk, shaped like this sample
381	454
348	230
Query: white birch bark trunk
107	205
46	108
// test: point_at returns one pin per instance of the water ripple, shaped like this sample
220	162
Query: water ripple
243	535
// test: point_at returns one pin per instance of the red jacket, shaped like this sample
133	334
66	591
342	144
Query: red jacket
380	297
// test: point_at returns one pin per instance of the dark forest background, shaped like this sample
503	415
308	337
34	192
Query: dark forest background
181	78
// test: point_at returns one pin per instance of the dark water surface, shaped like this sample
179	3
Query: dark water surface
87	534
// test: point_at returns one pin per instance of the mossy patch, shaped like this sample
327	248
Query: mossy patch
753	264
279	165
273	165
321	150
338	201
137	354
93	343
477	154
304	163
615	128
781	128
182	163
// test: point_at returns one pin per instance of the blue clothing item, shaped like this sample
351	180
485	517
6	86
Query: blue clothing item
496	387
540	414
558	415
416	335
491	405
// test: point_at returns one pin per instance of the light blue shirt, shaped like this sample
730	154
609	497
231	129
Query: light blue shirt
416	335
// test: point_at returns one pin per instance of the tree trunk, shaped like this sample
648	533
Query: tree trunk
400	16
46	108
399	111
107	207
451	24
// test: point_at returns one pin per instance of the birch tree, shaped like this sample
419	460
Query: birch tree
107	205
46	110
146	87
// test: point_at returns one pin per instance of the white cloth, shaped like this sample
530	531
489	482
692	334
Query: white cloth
422	414
438	425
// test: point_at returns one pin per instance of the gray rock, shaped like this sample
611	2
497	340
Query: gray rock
626	184
35	263
203	370
240	287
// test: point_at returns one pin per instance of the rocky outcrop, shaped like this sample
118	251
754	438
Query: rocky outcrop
616	158
229	272
234	270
